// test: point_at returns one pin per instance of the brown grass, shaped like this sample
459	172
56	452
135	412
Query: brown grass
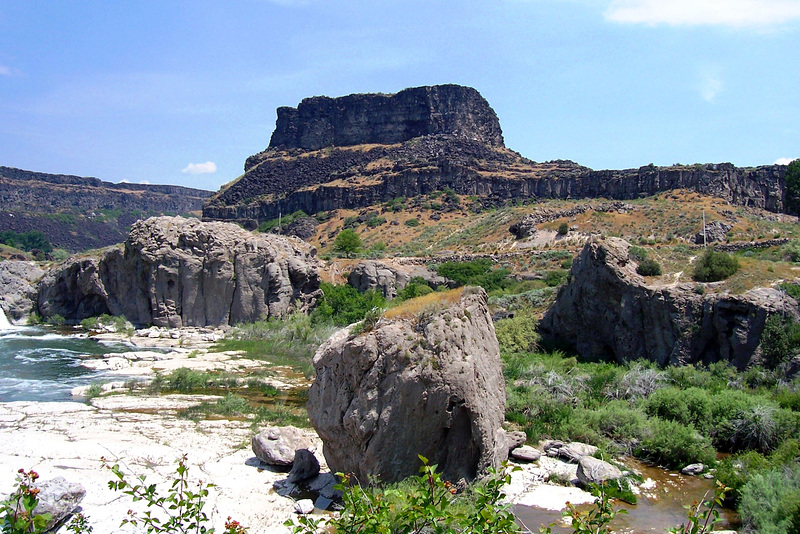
413	307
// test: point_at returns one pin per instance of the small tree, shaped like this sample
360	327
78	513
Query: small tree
348	242
563	229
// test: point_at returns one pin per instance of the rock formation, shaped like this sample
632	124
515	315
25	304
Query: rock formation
19	281
714	231
374	275
322	121
361	150
428	384
182	272
607	311
59	498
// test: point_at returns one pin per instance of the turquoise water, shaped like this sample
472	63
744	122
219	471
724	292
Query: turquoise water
44	364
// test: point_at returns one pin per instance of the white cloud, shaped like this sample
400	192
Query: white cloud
732	13
784	161
710	86
5	71
209	167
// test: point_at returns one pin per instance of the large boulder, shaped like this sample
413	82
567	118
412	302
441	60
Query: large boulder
278	445
18	280
377	276
427	383
608	311
592	470
177	272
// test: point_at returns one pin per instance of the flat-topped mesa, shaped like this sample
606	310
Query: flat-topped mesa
322	121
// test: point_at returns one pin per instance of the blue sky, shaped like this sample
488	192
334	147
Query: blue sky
183	91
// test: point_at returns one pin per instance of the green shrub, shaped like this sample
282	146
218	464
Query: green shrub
735	471
714	266
413	223
675	445
475	273
555	278
414	290
425	503
518	333
56	320
343	305
648	267
563	229
689	407
270	225
769	501
374	222
780	340
793	187
637	254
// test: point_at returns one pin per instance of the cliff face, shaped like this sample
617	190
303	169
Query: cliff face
322	121
77	213
607	311
182	272
361	150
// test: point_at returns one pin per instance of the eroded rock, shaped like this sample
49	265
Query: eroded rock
59	498
177	272
429	385
607	311
19	282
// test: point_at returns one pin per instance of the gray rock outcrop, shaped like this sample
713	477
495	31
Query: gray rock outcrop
374	275
59	498
428	384
18	280
607	311
304	467
714	231
178	272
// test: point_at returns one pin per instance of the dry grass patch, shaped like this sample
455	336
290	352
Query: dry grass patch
431	301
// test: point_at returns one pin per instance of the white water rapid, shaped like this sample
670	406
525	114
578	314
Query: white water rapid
4	324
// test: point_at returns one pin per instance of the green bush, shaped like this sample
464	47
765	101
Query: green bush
648	267
689	407
425	503
793	187
563	229
475	273
413	223
769	501
555	278
343	305
518	333
637	254
675	445
780	340
413	290
374	222
26	241
270	225
714	266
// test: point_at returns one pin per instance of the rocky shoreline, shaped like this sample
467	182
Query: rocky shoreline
145	435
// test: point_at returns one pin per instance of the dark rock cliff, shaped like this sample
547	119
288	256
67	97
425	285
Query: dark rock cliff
607	311
322	121
77	213
360	150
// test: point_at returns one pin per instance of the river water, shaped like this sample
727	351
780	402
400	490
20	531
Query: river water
44	363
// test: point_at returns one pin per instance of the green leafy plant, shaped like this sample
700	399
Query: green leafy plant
648	267
180	510
703	515
17	510
429	504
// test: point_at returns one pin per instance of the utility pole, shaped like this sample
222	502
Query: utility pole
705	243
